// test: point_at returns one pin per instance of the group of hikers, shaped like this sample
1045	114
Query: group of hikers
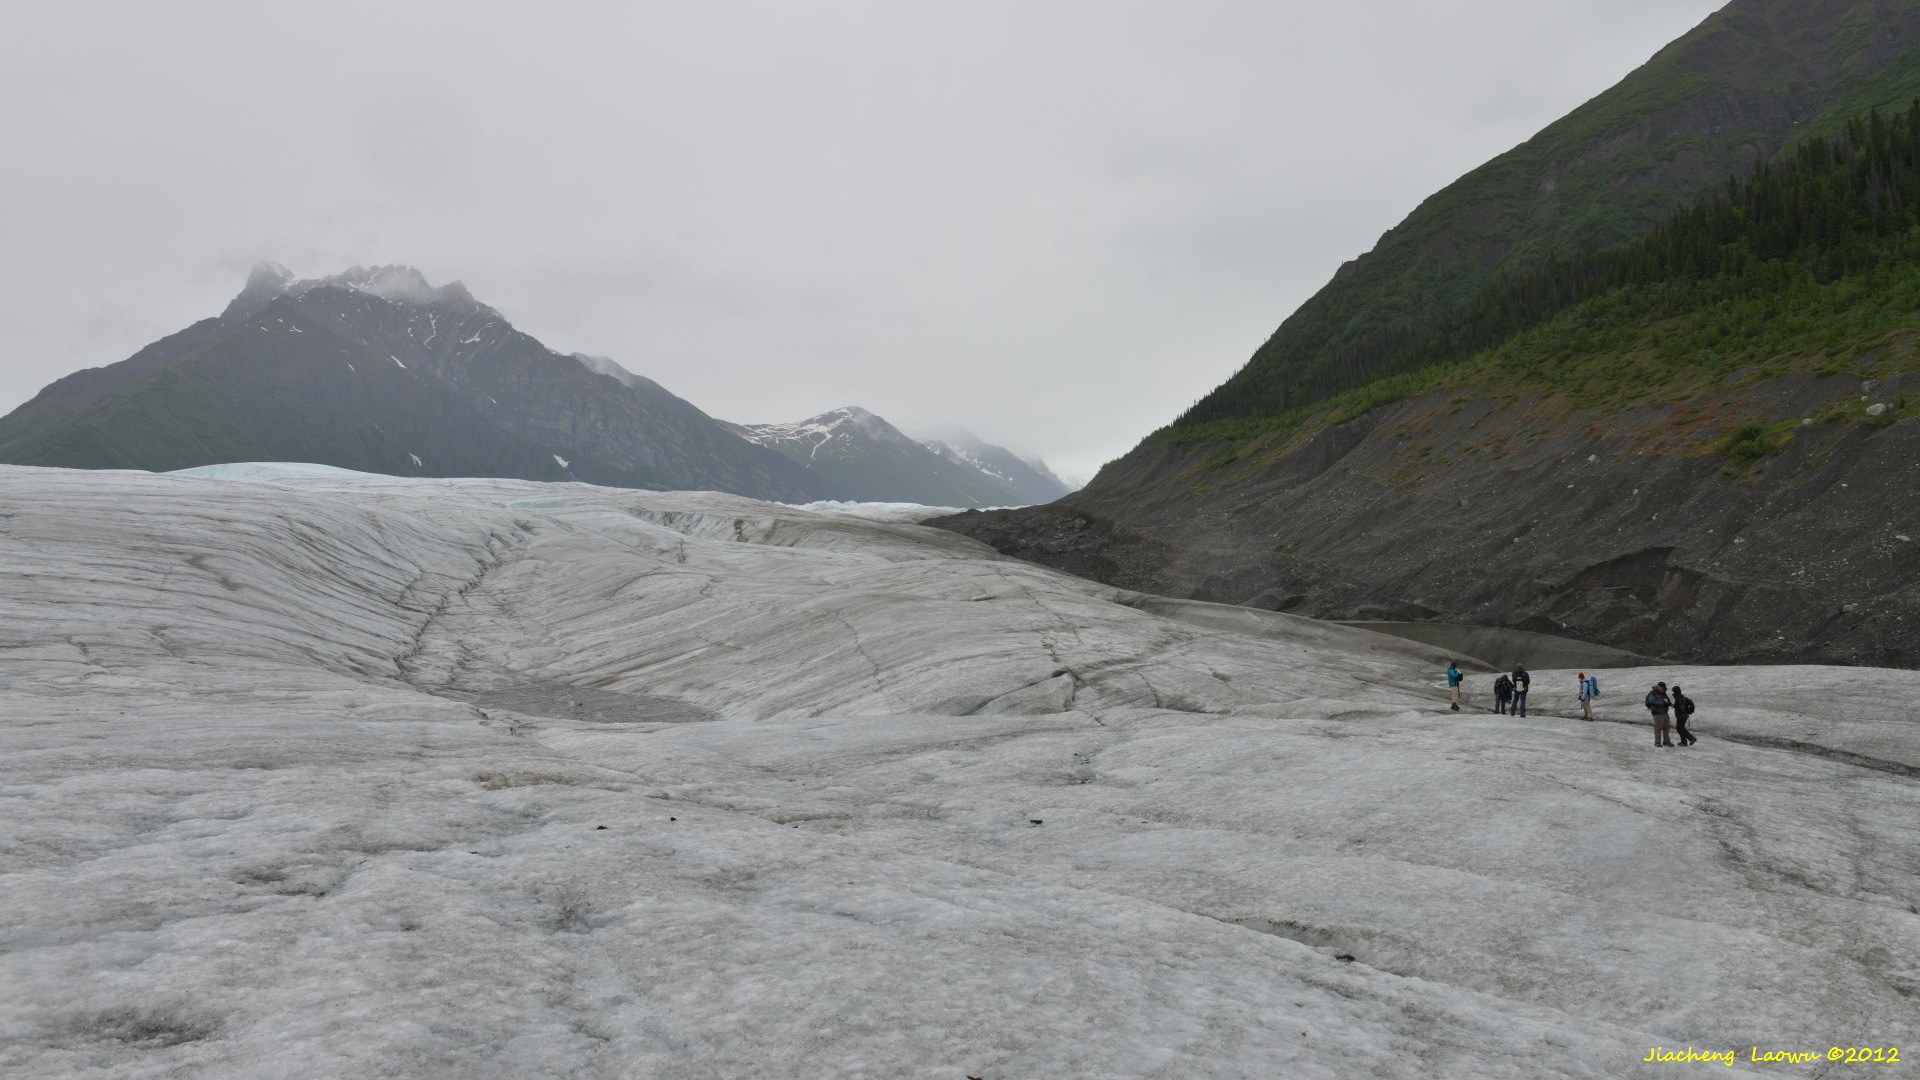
1671	709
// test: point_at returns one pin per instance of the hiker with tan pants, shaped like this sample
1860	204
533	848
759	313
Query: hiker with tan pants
1658	703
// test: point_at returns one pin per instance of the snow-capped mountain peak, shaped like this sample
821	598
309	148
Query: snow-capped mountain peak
863	453
842	426
394	282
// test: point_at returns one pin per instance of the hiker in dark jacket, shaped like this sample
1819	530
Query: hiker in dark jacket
1502	694
1682	711
1521	680
1658	703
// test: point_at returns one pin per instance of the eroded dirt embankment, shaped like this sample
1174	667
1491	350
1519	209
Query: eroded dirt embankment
1632	530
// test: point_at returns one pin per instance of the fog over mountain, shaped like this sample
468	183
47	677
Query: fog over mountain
1056	225
1029	477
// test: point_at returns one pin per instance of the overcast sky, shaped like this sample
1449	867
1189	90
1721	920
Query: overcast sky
1055	223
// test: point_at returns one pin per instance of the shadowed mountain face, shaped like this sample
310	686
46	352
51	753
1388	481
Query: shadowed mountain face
1709	469
380	371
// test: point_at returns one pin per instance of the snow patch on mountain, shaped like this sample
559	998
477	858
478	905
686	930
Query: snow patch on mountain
841	425
1027	480
870	459
973	461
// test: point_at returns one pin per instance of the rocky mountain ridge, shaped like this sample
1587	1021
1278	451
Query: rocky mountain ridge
855	450
377	369
1029	480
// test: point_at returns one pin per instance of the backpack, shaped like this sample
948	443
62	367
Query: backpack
1593	686
1520	683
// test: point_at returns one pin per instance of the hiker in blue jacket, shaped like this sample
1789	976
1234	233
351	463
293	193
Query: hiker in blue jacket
1589	689
1454	679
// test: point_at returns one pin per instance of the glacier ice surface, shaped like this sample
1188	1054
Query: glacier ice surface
312	773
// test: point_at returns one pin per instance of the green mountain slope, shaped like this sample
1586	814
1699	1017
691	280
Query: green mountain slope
1706	468
1731	92
1802	266
1698	442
